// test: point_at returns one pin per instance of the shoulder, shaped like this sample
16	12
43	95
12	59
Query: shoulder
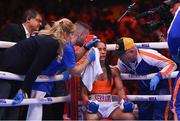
13	26
150	53
143	51
46	41
69	48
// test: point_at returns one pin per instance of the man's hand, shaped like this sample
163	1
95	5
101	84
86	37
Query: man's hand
91	43
154	81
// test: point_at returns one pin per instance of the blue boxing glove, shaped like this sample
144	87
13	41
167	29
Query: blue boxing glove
92	107
66	75
91	56
20	96
91	43
154	81
126	105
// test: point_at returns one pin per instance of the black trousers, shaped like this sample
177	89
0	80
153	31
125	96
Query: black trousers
55	111
8	90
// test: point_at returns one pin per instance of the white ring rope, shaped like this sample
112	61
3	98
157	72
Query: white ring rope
40	78
155	45
59	77
146	77
149	97
51	100
145	97
29	101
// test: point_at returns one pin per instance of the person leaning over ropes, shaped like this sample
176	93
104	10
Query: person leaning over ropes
142	62
31	56
68	62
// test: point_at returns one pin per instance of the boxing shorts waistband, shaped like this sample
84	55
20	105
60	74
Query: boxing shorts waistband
101	97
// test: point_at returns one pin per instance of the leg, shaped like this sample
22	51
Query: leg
118	114
56	111
175	99
145	110
89	116
14	113
159	110
5	88
35	111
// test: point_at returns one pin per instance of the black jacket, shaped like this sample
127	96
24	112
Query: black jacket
13	33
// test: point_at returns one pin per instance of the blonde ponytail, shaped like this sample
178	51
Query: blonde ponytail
58	31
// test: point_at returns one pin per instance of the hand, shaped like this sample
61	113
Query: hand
126	105
66	75
154	81
92	107
19	97
91	43
91	56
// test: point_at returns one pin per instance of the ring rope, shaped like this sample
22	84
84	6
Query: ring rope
40	78
51	100
29	101
155	45
59	77
145	77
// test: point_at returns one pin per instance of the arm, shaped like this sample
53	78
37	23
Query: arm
118	83
164	64
154	58
90	43
88	105
81	52
125	104
84	94
77	69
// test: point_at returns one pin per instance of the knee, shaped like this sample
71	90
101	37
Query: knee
92	117
130	117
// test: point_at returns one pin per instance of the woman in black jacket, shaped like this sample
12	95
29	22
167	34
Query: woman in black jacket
30	56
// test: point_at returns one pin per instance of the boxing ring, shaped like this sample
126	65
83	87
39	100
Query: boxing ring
72	97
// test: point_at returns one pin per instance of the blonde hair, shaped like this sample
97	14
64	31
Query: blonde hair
58	31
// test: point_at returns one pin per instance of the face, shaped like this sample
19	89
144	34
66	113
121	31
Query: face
81	37
80	34
72	38
35	23
129	56
102	50
174	8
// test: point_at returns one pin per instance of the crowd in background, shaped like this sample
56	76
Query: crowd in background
101	15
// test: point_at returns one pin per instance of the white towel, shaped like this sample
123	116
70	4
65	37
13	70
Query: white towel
91	71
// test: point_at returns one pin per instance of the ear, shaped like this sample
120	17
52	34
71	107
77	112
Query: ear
28	18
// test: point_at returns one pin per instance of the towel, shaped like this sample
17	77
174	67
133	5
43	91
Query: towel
92	70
